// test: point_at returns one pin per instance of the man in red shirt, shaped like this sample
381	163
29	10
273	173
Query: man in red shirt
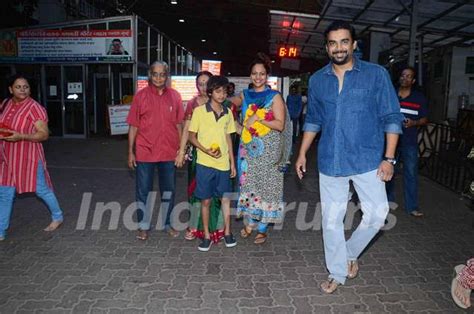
155	120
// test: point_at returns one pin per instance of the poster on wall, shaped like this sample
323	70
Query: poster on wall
212	66
7	44
46	45
118	119
185	85
142	82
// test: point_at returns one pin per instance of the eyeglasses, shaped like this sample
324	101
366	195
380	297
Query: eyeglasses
161	75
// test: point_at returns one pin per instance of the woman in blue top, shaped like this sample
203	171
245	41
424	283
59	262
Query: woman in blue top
263	152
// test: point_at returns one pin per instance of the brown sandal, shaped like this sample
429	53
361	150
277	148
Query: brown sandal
54	225
329	286
142	235
190	235
245	233
260	238
352	269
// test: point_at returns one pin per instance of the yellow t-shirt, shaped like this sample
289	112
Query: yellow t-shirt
210	130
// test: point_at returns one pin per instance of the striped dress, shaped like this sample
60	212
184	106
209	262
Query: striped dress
19	160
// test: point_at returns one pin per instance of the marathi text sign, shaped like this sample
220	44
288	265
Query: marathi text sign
74	45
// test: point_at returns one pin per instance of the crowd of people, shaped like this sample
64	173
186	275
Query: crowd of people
351	102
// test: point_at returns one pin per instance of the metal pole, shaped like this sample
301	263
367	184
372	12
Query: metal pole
420	61
175	60
148	33
159	47
169	55
182	61
414	22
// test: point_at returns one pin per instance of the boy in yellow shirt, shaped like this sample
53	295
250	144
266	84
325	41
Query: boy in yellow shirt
209	131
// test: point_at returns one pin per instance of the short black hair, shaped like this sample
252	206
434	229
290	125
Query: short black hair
337	25
264	60
232	84
215	82
116	39
408	67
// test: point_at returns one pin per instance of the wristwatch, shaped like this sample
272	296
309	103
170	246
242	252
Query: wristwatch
393	161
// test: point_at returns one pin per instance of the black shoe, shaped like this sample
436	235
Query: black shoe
205	245
230	240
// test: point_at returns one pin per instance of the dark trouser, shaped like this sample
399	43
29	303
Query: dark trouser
144	185
409	156
295	128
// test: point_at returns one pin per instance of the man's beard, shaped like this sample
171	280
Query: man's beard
345	60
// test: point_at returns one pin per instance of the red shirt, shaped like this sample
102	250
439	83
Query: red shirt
156	117
188	113
19	160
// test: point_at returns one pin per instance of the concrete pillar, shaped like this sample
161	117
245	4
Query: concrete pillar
420	61
413	30
378	42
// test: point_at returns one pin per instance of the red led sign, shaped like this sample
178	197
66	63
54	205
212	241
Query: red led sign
288	52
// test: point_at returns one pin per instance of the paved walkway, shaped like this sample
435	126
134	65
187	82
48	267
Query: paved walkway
407	269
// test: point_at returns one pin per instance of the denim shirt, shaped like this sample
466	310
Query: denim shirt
353	122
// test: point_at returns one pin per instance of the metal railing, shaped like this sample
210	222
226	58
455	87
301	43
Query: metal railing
443	153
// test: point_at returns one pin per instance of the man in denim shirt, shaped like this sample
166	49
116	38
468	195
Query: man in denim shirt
354	105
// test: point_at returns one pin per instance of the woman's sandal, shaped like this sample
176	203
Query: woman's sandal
329	286
260	238
461	296
189	235
142	235
352	269
245	233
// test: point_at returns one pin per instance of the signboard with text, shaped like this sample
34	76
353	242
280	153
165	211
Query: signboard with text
185	85
212	66
142	82
118	119
46	45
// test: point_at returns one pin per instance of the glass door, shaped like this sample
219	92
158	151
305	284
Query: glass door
53	96
102	98
74	105
126	86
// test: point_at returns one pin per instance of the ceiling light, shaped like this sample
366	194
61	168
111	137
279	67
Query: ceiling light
273	61
397	18
181	20
203	40
214	53
297	14
174	2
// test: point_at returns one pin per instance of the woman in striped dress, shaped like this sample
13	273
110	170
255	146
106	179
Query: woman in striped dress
23	126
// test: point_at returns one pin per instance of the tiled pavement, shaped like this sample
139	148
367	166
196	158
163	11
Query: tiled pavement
407	269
